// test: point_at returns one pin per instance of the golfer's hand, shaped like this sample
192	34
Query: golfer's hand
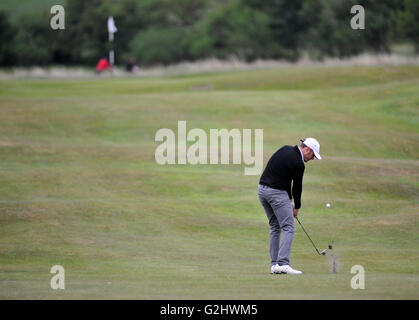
295	213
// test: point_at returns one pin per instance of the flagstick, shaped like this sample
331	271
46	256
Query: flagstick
112	59
111	52
111	30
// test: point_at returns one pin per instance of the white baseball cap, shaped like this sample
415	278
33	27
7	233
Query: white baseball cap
314	145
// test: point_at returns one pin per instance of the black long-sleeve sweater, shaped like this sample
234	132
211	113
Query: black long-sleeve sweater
284	166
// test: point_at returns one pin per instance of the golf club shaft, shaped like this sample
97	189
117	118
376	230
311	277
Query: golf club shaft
308	236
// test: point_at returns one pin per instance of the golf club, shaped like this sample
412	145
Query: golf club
323	252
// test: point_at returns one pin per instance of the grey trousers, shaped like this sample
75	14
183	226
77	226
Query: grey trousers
279	210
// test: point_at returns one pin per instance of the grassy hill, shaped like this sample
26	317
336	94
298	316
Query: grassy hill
79	186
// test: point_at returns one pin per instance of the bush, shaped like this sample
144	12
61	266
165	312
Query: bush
7	50
158	45
235	29
410	22
32	46
331	34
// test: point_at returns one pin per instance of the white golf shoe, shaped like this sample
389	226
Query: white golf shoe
275	269
284	269
288	270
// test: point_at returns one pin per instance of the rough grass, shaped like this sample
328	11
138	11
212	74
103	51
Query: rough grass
79	186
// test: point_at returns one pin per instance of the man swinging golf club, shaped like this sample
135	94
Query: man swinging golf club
286	166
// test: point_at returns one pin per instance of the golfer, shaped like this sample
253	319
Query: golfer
285	167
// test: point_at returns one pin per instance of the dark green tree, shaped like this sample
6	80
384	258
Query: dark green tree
287	24
7	43
235	29
86	23
33	42
410	22
380	20
158	45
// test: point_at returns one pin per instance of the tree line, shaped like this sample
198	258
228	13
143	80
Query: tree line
169	31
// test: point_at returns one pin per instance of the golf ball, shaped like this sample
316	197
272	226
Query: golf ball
328	205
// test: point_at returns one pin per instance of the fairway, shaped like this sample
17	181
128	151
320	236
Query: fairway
80	186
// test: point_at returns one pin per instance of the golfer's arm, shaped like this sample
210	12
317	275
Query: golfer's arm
297	189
